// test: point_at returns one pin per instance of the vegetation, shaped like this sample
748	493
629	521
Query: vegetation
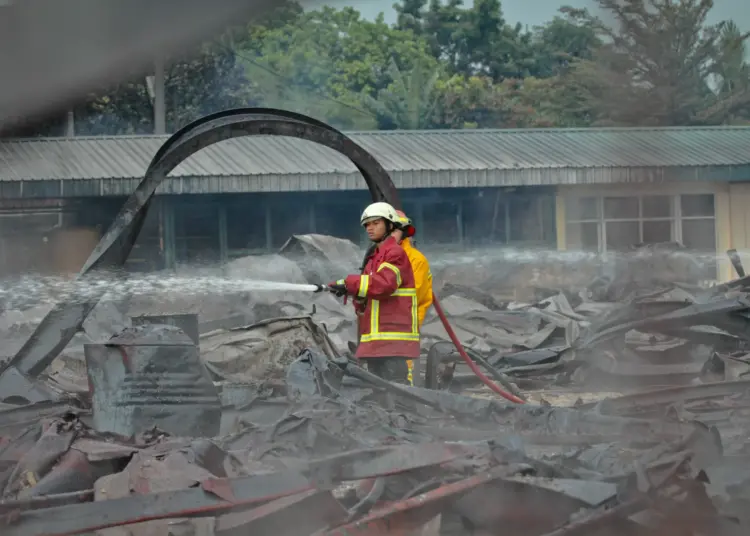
446	65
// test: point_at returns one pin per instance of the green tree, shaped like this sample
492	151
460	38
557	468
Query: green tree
560	43
333	55
475	40
409	101
410	15
657	64
557	101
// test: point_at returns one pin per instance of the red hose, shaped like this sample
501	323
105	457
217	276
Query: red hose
473	366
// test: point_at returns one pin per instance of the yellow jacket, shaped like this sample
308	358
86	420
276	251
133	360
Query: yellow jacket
422	278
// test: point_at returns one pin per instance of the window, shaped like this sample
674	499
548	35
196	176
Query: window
616	223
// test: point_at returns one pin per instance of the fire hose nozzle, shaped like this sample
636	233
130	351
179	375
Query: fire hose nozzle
321	288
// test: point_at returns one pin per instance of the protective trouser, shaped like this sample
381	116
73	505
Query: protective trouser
394	369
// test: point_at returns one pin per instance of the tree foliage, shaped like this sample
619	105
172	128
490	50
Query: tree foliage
444	64
659	65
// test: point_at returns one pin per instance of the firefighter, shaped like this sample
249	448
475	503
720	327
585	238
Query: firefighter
421	269
385	299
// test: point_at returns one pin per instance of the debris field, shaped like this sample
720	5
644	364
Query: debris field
246	415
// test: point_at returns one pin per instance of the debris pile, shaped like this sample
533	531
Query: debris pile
169	425
335	451
649	323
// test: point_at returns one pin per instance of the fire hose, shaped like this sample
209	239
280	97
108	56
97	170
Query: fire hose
469	361
462	352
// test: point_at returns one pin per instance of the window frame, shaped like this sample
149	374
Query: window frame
676	218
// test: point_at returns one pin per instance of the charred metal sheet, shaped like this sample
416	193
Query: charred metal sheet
65	320
89	517
690	314
187	322
296	515
530	505
47	501
404	516
671	395
213	497
54	442
152	375
590	492
736	261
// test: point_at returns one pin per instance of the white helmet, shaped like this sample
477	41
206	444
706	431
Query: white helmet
380	210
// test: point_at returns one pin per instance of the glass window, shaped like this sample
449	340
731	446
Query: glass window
697	205
657	231
657	206
621	235
584	236
620	208
699	235
582	208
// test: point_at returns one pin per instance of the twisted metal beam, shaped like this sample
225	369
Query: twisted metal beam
66	319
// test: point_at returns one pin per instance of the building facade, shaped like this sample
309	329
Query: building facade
591	189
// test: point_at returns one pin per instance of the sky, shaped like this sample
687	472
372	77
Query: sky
537	12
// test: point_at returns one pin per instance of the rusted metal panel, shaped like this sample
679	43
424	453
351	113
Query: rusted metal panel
151	375
296	515
403	517
219	495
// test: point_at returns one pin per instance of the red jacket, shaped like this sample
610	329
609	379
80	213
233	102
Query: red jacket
388	323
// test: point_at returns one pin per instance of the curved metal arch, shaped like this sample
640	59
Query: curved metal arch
66	319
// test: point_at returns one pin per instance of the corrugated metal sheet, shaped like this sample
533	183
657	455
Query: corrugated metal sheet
414	158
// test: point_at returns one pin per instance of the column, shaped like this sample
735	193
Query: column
269	228
168	234
312	213
460	222
223	243
560	219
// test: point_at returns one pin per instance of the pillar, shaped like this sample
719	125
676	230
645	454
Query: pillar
269	228
460	222
223	242
560	219
313	218
168	234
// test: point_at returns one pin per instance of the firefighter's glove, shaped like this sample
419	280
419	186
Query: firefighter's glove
338	288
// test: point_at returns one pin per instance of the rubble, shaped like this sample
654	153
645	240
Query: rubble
266	426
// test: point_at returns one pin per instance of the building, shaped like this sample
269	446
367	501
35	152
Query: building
593	189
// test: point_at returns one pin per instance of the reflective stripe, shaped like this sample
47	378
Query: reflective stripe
405	292
375	333
429	275
364	284
390	336
395	271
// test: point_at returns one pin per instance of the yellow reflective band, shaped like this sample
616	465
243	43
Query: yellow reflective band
341	282
390	336
375	316
376	335
429	274
415	315
395	271
405	292
364	284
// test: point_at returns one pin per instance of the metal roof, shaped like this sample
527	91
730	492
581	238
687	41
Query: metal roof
415	159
